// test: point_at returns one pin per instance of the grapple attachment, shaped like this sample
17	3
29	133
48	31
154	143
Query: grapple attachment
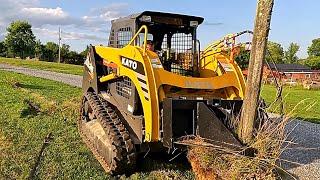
200	118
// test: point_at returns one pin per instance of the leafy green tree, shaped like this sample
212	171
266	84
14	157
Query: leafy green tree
85	52
74	58
3	49
20	39
243	58
64	51
38	49
314	49
274	52
312	62
51	51
291	54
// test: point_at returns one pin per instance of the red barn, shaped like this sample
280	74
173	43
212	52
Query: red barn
292	72
288	72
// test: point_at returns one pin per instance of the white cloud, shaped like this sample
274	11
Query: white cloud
37	12
80	36
103	15
92	27
96	20
111	11
45	31
11	10
67	35
44	16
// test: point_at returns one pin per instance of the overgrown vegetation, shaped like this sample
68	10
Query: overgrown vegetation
259	159
22	133
210	162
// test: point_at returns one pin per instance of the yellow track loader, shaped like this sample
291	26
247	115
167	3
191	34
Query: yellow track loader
137	99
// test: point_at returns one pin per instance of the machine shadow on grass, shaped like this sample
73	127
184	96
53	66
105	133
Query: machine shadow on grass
32	86
28	112
31	110
25	85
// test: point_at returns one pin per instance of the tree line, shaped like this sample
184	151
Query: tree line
277	54
21	42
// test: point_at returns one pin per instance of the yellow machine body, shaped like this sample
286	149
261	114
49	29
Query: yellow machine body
152	87
219	77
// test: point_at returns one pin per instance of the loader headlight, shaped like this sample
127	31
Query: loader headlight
194	23
145	18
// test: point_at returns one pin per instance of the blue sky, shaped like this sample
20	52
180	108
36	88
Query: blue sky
87	22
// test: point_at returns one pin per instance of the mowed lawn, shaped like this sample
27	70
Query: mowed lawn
43	65
298	102
22	132
305	104
296	97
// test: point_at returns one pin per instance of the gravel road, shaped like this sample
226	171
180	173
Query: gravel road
73	80
305	152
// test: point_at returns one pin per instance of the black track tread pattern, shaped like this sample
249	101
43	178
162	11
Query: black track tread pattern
124	160
127	143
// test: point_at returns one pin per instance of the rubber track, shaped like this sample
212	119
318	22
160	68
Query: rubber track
125	156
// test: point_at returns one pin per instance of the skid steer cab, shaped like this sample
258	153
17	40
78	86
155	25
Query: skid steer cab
138	99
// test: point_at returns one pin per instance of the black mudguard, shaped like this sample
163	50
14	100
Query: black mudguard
90	80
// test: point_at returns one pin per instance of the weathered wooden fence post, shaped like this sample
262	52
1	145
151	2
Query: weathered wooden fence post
258	51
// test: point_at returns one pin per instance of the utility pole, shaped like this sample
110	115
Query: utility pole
257	55
59	56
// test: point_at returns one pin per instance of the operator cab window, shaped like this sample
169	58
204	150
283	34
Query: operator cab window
124	35
177	53
141	39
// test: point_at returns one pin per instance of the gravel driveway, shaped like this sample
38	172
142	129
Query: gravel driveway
73	80
305	153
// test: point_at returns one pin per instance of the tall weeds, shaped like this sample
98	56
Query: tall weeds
256	160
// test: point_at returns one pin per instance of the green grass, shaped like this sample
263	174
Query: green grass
294	95
22	133
43	65
304	104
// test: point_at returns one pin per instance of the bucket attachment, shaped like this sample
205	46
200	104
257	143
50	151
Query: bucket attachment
199	118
